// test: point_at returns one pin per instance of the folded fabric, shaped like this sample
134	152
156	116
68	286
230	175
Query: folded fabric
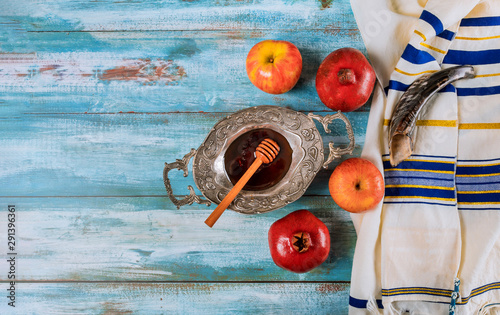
437	230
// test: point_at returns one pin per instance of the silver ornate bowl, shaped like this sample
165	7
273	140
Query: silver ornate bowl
299	130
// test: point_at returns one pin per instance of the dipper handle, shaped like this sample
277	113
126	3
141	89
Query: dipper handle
266	152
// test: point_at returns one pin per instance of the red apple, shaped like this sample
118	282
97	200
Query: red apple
274	66
345	80
356	185
299	241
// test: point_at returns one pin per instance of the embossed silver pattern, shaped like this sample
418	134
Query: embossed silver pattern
336	153
183	166
307	156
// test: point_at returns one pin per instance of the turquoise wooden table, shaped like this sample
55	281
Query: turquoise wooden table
95	96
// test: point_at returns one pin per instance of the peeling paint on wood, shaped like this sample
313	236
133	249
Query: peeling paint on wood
62	71
146	71
325	4
199	71
330	287
148	239
95	97
174	298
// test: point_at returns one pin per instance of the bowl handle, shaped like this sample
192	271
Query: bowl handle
182	165
335	153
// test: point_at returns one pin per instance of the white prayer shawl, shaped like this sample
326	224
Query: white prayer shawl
440	217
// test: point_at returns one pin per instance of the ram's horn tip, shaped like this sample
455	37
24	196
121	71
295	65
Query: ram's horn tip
401	149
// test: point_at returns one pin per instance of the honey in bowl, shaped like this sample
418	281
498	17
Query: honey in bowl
241	153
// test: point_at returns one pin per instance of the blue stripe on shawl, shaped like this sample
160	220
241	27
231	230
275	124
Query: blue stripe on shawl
435	156
421	165
415	174
433	20
478	170
421	181
488	160
449	35
358	303
485	187
441	292
480	57
416	56
479	91
480	209
481	197
419	192
477	180
478	186
480	290
416	290
481	21
420	202
398	86
404	176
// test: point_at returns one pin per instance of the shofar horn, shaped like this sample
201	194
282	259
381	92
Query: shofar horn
404	116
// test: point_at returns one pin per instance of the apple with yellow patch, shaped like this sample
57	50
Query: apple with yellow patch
356	185
274	66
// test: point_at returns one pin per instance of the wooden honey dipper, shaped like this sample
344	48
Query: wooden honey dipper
266	152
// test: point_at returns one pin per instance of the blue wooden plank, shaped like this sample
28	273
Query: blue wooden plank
152	72
114	154
180	298
145	239
108	15
71	74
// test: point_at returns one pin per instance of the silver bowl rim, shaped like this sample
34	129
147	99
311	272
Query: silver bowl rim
307	158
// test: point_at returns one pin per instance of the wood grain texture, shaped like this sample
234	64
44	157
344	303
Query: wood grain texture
180	298
118	154
143	15
95	96
141	239
153	71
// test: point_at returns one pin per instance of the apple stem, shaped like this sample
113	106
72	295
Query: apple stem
271	60
301	241
346	76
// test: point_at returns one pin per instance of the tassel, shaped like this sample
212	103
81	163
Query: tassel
372	307
482	310
454	296
393	310
487	308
